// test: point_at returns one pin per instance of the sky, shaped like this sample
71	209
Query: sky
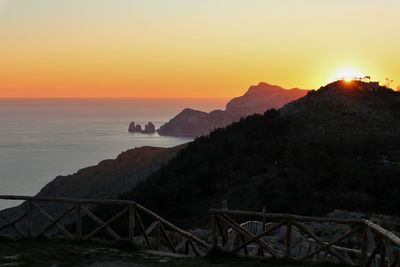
191	48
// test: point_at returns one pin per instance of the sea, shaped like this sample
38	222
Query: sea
43	138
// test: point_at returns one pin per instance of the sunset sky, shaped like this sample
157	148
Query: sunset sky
191	48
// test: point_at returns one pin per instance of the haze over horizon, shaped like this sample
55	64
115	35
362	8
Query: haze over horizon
177	48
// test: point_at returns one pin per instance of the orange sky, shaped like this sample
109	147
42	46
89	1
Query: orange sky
190	48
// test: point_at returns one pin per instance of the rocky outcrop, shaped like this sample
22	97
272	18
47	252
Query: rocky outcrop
258	99
137	128
149	128
108	179
262	97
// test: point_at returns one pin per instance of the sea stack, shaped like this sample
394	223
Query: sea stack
149	128
137	128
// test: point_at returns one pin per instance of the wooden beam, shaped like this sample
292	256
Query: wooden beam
223	232
364	248
373	253
382	255
78	221
59	225
214	231
30	220
104	225
284	216
99	221
337	240
132	223
383	232
246	251
288	238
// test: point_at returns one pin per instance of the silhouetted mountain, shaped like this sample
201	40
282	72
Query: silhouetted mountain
338	147
262	97
257	99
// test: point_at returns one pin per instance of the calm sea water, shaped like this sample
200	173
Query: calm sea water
43	138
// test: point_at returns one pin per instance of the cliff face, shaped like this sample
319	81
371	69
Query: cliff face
108	179
193	123
258	99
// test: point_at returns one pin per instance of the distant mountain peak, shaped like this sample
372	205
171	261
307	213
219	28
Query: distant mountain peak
263	96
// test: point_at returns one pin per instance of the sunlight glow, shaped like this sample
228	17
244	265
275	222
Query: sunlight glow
347	74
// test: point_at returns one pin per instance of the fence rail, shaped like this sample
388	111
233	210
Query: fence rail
160	234
350	241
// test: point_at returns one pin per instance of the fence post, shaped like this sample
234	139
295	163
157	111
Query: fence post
78	221
224	204
364	248
288	238
214	231
30	219
131	223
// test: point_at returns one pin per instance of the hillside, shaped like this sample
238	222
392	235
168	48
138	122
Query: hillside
108	179
337	147
258	99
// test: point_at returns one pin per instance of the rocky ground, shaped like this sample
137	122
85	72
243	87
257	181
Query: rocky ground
64	254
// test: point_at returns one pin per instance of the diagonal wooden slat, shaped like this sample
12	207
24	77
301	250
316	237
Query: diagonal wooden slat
104	225
143	230
181	244
223	232
389	250
243	232
337	240
241	239
59	225
13	224
99	221
373	253
166	236
311	234
152	227
265	233
195	250
396	262
54	222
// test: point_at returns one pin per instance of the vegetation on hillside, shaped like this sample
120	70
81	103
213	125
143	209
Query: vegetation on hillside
272	160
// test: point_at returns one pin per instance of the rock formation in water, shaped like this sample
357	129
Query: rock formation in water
137	128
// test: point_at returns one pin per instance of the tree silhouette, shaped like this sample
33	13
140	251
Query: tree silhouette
388	82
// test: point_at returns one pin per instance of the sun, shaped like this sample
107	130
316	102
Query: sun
347	74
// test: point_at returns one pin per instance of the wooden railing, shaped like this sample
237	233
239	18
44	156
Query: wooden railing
349	241
158	235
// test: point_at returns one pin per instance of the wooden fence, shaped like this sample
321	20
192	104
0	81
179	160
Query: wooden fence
158	235
354	242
